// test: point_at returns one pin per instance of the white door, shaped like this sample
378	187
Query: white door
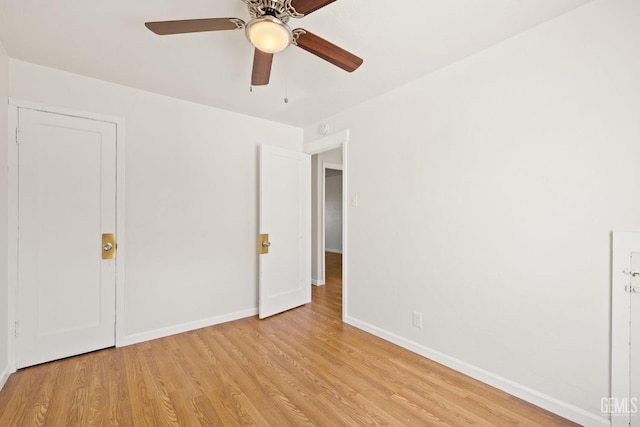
66	201
285	215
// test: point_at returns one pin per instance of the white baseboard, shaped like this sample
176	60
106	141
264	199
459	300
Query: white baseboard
333	251
542	400
317	282
186	327
4	376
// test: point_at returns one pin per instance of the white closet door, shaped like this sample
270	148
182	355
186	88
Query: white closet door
67	200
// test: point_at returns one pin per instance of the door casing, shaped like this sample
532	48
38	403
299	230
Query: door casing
12	232
330	142
624	243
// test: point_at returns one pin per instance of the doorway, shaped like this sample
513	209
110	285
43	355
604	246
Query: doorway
329	153
333	213
332	209
326	208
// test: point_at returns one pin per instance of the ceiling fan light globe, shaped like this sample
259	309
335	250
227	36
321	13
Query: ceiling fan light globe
269	34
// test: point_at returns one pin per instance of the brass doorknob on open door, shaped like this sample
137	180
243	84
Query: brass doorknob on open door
108	246
263	244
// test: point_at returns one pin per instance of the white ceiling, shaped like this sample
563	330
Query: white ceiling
398	40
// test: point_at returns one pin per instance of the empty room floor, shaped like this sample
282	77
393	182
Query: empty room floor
302	367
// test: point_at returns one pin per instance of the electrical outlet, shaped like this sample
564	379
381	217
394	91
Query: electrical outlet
417	319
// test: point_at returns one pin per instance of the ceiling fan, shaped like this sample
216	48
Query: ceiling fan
269	33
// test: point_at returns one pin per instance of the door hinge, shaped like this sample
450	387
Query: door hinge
632	289
16	330
17	135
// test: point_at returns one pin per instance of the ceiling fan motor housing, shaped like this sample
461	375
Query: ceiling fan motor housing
281	9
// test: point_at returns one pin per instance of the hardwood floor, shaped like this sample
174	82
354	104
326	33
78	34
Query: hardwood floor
302	367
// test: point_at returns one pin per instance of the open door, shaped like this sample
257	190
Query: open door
285	230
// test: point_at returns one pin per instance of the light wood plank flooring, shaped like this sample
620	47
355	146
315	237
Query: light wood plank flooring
303	367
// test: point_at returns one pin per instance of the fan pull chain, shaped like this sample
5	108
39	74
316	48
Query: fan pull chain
286	91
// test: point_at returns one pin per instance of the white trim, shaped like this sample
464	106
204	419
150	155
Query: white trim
189	326
120	232
12	236
345	220
623	244
333	166
14	105
21	103
329	142
4	376
317	282
534	397
333	251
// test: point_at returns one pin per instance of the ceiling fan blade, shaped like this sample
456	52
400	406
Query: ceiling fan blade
327	50
261	68
195	25
305	7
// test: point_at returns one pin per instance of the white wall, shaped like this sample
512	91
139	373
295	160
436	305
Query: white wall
504	176
333	212
317	206
4	289
191	198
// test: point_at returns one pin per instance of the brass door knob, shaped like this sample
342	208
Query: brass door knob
263	244
108	246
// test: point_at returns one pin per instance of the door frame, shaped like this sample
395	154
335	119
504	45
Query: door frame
14	106
330	142
623	244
